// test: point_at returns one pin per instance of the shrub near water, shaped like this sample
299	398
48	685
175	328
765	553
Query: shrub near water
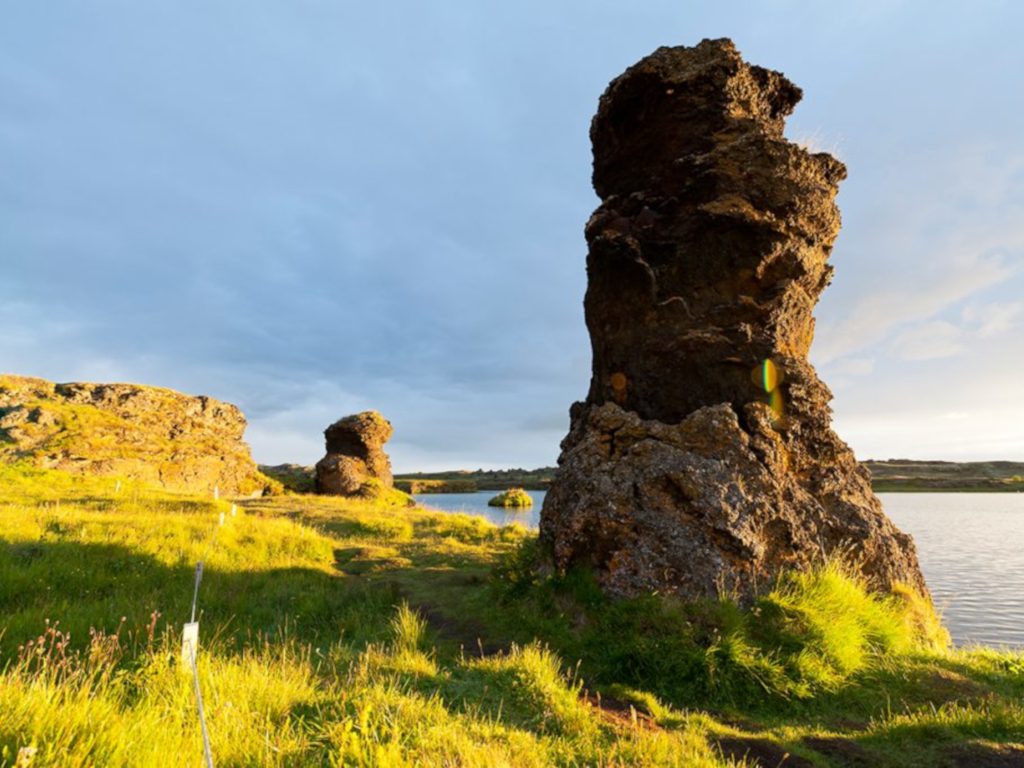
513	497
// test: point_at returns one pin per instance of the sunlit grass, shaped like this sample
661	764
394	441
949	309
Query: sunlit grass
360	633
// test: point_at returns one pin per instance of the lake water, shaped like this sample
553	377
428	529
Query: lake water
971	548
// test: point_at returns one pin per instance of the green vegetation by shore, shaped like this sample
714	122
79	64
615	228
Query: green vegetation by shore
936	476
486	479
346	632
292	477
513	497
887	476
436	486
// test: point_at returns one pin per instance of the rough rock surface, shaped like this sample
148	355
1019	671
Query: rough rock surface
355	464
703	457
155	435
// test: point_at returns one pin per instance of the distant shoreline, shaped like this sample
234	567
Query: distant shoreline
889	476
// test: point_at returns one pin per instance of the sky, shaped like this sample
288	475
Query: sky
310	208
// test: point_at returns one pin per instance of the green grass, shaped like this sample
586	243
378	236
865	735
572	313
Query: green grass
436	486
341	632
292	477
906	475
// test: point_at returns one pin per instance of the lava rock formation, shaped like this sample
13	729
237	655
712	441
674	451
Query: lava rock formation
355	464
703	457
154	435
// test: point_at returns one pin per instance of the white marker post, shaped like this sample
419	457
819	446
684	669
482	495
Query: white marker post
189	647
189	644
189	651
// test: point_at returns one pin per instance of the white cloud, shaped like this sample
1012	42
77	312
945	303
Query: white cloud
938	338
963	407
994	318
853	366
943	228
978	435
879	314
929	341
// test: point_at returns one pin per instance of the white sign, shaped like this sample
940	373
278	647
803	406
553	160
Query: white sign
189	643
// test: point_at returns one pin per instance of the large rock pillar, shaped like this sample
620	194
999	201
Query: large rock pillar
703	457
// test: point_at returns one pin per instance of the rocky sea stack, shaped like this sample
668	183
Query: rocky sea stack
155	435
355	464
703	457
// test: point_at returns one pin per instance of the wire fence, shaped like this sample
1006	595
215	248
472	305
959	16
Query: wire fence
190	634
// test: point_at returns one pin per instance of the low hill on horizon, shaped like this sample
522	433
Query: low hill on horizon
889	475
919	475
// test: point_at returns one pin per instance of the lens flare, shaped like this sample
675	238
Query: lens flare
766	375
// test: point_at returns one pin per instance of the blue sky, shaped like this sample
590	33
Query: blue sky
310	208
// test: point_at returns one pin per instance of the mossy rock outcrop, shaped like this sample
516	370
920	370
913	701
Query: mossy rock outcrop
355	464
513	497
158	436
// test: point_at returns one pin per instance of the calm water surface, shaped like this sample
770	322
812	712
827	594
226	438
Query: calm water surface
971	547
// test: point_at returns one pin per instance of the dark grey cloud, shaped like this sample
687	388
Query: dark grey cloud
308	208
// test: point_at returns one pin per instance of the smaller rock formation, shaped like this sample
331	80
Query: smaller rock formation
150	434
355	464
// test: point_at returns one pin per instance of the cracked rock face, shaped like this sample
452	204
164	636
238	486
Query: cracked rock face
355	464
703	456
155	435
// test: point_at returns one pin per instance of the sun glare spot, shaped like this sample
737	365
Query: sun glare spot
767	376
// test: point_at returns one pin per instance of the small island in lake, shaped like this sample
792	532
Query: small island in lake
513	497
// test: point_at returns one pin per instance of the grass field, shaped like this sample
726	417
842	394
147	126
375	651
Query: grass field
345	633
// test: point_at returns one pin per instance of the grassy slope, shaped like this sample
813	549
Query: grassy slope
310	656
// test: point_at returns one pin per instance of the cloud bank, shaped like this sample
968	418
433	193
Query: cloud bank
309	209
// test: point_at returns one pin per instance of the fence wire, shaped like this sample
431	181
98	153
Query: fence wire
193	642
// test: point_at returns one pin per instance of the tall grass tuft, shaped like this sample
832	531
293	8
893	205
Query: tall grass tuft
812	632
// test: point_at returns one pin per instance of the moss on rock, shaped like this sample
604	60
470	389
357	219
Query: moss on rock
155	435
